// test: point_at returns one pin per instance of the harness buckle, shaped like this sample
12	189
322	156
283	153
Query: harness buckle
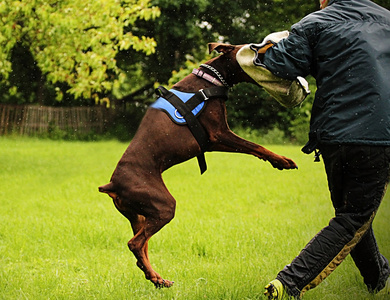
203	94
178	115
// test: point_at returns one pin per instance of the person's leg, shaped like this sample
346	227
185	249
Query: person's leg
373	266
357	178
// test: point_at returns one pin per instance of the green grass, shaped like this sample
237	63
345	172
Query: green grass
235	227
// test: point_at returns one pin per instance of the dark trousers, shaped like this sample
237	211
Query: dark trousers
357	179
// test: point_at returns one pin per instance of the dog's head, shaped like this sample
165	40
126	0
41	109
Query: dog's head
234	72
221	48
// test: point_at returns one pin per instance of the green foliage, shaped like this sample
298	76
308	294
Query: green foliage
72	42
55	133
274	136
183	47
75	53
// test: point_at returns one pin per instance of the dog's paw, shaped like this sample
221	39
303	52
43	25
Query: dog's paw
163	283
283	163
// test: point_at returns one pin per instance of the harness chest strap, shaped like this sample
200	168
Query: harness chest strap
185	109
204	95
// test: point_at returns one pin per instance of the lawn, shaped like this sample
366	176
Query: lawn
235	227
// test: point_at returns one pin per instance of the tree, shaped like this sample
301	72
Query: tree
184	29
119	50
72	44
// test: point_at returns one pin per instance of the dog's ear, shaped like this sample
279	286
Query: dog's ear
219	47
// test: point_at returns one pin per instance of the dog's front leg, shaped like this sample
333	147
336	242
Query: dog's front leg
227	141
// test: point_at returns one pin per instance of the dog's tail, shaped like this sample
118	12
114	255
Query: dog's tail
108	189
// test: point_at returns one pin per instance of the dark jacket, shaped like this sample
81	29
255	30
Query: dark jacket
346	48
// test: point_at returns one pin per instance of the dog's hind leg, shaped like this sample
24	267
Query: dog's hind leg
158	209
146	227
137	223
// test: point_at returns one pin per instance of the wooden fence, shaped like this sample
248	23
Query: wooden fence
32	119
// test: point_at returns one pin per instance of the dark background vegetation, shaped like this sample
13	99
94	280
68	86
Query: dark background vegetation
182	32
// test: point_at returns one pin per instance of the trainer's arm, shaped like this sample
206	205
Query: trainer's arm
291	57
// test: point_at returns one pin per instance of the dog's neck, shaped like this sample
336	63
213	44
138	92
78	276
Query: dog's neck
225	65
217	80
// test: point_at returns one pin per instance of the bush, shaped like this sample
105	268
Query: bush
274	136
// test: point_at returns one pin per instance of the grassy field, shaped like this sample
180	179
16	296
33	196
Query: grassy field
235	227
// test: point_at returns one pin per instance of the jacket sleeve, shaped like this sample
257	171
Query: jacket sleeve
291	57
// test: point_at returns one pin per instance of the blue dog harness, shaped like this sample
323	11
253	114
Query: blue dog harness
183	108
166	106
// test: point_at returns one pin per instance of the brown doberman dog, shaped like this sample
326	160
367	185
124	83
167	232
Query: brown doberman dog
136	186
